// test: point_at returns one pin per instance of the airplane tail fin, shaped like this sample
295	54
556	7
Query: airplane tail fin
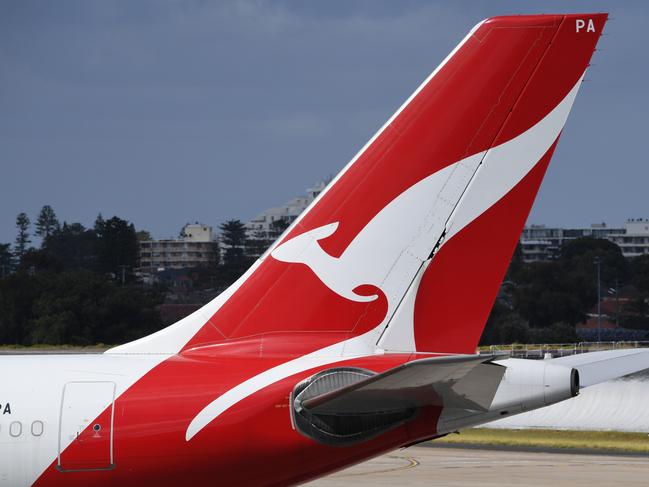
407	246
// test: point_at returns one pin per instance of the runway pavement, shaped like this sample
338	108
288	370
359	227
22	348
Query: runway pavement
437	466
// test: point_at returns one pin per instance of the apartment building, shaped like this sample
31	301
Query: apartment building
195	247
539	242
269	223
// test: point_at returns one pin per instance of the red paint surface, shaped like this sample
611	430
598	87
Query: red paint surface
460	285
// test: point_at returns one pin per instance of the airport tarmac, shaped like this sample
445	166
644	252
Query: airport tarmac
444	466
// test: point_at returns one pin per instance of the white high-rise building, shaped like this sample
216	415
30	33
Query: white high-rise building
197	232
539	242
271	222
635	239
194	248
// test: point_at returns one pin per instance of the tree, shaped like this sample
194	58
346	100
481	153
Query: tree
74	307
543	301
516	265
22	239
579	255
40	260
46	223
117	247
556	333
143	236
277	227
235	250
6	260
257	244
17	294
563	290
261	240
233	236
74	246
216	249
99	224
504	326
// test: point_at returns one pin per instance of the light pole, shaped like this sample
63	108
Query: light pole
598	263
617	302
123	268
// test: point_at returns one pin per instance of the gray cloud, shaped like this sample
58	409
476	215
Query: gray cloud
166	112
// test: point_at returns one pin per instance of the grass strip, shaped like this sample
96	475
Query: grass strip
594	440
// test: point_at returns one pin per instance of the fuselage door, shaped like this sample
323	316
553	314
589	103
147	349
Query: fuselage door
86	426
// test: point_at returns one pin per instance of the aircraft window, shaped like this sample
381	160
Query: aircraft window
37	428
16	429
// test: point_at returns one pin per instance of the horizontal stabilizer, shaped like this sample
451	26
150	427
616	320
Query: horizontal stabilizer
596	367
465	381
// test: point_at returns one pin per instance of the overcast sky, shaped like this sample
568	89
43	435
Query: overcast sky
165	112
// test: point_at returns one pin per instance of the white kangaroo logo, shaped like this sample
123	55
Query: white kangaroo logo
305	249
389	250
